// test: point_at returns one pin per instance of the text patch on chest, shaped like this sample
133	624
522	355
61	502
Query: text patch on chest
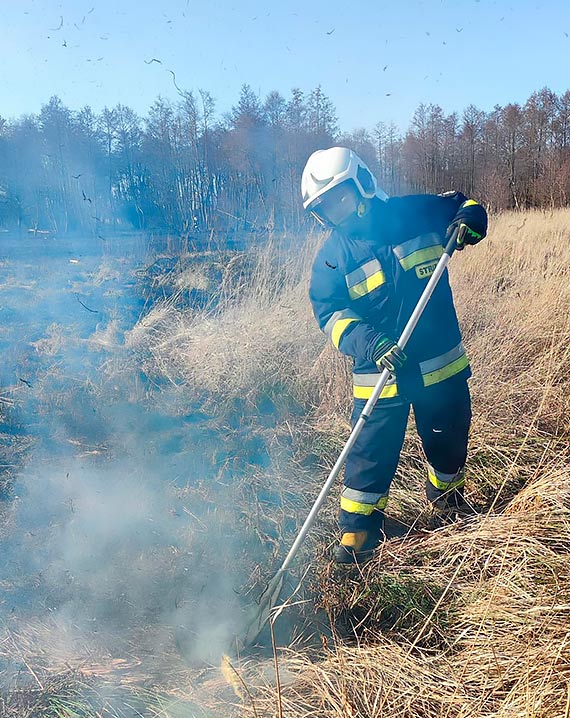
423	271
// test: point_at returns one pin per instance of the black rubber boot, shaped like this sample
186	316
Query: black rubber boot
447	507
445	500
356	547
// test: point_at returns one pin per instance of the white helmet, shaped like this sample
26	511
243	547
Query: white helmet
325	170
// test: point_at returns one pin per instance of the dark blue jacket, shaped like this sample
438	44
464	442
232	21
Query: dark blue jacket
365	288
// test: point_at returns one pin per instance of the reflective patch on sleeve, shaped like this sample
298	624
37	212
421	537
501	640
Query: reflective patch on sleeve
339	329
468	203
338	323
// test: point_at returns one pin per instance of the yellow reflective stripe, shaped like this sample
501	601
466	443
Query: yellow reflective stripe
365	392
367	285
445	485
422	241
339	329
442	360
362	272
469	203
355	507
420	256
433	377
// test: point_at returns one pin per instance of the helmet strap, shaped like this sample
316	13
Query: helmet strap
361	209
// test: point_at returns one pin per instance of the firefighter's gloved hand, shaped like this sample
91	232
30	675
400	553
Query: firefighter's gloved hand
388	355
472	222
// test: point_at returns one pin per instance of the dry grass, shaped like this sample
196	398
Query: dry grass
81	679
512	295
473	620
513	292
469	620
247	343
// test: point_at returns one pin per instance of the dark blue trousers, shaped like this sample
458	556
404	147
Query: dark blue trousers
442	415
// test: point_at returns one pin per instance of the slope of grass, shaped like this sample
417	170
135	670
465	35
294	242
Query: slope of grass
467	620
472	619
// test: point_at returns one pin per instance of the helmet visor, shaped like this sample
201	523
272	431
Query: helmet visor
337	205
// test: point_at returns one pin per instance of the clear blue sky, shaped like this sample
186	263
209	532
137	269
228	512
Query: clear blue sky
376	60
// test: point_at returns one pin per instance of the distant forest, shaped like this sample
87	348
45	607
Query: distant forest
183	168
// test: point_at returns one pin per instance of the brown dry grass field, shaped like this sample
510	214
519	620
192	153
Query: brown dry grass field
466	620
472	619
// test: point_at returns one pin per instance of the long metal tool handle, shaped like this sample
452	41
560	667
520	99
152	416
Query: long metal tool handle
371	403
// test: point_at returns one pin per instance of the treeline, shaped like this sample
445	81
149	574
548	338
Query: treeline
183	168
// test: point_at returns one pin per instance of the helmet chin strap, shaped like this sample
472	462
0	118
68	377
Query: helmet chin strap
361	209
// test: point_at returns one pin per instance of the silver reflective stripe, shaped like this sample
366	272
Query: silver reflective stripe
413	245
370	379
359	275
445	478
337	316
362	497
442	360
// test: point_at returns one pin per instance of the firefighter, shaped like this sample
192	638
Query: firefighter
365	282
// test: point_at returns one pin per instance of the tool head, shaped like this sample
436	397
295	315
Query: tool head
261	613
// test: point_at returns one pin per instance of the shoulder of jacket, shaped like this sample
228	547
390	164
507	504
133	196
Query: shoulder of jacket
454	195
406	199
331	254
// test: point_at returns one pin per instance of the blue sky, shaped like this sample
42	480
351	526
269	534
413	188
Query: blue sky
376	60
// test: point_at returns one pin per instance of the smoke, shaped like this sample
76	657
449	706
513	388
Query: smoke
123	534
110	551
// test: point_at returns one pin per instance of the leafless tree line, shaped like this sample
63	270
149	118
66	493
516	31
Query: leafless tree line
183	168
